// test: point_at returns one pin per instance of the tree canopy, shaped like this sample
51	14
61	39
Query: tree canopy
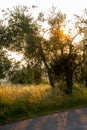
58	54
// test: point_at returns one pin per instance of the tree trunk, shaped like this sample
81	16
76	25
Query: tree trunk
69	81
50	75
51	79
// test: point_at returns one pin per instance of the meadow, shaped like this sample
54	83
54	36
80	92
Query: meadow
19	102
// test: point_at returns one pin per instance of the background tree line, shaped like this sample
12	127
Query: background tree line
64	61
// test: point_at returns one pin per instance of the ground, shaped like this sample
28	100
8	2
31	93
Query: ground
68	120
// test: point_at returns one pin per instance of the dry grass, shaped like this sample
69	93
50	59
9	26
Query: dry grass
33	92
19	102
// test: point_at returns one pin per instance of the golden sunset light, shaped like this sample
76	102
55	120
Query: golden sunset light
43	64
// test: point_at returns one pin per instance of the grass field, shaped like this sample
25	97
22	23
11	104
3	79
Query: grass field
21	102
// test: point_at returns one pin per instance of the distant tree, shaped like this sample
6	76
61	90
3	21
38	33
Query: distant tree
26	75
5	65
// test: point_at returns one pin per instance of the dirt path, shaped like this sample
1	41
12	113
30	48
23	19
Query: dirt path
68	120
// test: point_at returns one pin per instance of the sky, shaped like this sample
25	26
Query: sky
69	7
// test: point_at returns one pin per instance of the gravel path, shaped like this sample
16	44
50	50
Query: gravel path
68	120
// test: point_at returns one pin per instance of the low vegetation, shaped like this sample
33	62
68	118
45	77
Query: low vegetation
20	102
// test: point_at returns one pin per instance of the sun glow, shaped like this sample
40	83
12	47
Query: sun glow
66	31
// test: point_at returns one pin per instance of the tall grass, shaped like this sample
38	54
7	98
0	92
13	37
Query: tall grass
19	102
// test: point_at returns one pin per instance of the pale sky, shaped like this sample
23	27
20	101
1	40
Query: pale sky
69	7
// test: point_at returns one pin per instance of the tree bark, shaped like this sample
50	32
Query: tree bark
50	75
69	81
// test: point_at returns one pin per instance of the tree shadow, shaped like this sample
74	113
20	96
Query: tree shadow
43	123
69	120
74	120
39	123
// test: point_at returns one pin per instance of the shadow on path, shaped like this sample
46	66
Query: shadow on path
74	120
69	120
44	123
